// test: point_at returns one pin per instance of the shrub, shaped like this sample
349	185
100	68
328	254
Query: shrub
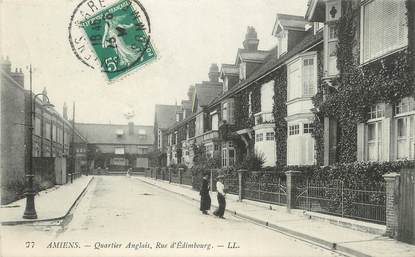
253	162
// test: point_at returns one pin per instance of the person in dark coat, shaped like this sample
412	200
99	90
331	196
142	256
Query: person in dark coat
204	195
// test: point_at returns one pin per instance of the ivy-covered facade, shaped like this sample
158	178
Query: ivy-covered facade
337	88
365	105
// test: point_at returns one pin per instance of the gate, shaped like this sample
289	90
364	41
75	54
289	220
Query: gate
406	228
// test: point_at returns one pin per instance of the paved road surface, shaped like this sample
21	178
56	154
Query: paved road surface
119	211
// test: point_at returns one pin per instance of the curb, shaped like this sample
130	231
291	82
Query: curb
324	243
21	222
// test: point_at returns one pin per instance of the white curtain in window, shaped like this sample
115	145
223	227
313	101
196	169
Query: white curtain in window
294	84
215	121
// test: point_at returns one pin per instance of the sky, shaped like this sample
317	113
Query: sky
189	35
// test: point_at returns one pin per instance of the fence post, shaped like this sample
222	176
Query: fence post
181	170
211	180
169	169
292	183
241	173
392	208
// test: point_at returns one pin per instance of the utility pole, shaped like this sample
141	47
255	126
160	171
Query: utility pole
30	211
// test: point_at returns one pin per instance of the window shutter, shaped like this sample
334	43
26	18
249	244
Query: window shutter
402	24
390	19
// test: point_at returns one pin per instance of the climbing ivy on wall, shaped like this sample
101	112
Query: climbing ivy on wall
360	87
280	112
318	123
242	118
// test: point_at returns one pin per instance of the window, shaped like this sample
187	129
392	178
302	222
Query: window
242	71
53	132
302	77
282	43
331	50
374	140
406	105
308	77
376	111
294	130
228	154
142	150
37	127
216	147
308	128
225	111
404	124
267	94
384	28
119	150
259	137
47	132
270	136
215	121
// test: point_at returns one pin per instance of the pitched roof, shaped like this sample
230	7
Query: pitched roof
116	133
229	69
289	22
250	55
253	56
165	115
274	63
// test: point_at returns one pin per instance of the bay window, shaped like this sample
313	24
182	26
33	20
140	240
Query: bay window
302	77
384	28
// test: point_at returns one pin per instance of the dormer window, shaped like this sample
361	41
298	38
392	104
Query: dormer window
242	71
282	42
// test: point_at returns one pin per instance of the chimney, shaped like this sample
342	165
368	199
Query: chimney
190	92
213	73
6	65
65	111
45	93
251	40
131	128
18	76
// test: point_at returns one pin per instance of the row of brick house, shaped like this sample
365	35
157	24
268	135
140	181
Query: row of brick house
54	138
299	103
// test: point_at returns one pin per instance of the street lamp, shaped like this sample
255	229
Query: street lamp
30	211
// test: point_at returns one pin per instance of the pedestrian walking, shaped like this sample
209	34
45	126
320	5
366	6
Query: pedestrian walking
205	200
220	188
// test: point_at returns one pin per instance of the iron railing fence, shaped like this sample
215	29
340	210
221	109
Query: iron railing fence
231	183
265	187
366	202
187	178
175	178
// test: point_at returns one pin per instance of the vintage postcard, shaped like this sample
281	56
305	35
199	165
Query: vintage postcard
207	128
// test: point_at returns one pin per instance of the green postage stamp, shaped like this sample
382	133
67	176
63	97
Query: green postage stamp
119	36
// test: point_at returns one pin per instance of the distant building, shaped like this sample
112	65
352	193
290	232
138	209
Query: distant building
117	147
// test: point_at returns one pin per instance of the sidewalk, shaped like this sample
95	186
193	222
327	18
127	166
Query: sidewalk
297	224
51	204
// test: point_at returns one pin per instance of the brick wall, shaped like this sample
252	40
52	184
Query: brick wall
12	140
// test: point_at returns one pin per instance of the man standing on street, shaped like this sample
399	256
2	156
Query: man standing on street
205	200
220	188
